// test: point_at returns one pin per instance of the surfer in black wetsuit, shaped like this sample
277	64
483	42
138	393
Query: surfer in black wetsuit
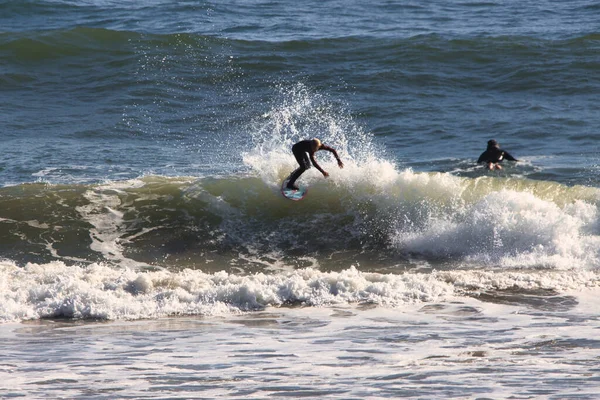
304	150
493	156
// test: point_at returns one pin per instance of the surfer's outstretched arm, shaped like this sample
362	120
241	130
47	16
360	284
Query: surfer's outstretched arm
332	150
509	157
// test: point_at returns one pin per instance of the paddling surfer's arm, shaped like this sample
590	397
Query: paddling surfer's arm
509	157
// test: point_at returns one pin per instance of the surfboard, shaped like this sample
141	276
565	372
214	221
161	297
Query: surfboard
292	194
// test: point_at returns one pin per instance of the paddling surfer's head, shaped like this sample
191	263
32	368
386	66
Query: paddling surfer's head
492	144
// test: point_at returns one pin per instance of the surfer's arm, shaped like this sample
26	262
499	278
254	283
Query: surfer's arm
332	150
509	157
317	166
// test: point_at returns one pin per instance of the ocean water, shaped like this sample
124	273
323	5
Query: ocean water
146	250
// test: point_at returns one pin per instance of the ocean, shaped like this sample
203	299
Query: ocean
146	250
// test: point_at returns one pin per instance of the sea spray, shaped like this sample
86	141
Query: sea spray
299	113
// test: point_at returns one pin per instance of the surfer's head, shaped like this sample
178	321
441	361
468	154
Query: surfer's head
316	143
492	143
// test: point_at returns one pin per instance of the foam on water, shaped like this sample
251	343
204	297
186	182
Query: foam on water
99	291
107	220
102	292
512	229
463	348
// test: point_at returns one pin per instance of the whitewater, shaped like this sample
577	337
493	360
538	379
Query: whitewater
146	250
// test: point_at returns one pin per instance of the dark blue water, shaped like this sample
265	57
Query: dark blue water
101	90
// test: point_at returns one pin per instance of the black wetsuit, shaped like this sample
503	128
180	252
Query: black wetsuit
300	150
494	155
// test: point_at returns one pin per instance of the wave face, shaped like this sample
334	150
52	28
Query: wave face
372	214
156	247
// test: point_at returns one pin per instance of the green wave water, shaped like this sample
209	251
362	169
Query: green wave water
244	223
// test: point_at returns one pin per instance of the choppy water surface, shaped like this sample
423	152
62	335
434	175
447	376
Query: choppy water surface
145	249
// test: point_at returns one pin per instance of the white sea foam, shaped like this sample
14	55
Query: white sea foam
107	220
512	229
100	291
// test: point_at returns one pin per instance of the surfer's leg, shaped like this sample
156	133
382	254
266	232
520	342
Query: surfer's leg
304	162
294	176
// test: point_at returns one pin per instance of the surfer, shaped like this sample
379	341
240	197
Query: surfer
493	156
304	150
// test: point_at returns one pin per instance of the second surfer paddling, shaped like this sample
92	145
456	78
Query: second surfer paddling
304	151
494	155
